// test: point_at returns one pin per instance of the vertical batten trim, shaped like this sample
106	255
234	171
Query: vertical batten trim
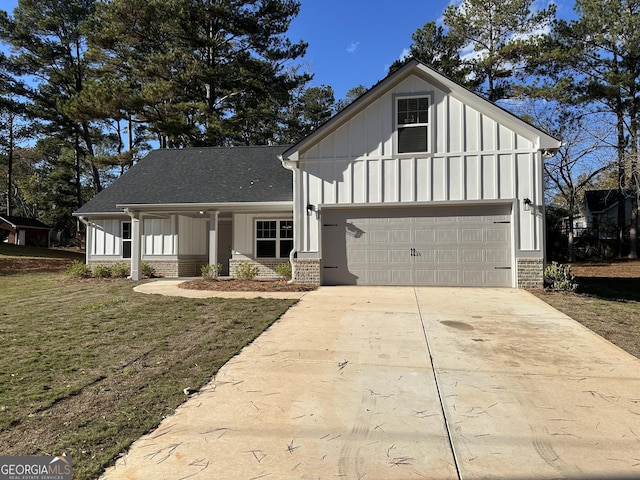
398	182
536	200
414	177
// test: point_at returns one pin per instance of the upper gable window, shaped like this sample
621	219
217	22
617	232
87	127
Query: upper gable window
412	124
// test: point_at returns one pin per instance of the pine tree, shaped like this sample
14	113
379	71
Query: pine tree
501	34
596	58
199	72
47	36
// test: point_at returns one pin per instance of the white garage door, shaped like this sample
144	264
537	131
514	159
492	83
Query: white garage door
444	246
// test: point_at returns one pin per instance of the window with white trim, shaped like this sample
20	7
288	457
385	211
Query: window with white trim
412	124
274	238
126	239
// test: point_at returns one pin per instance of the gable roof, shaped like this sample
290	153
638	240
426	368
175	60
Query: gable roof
415	67
210	175
23	222
598	201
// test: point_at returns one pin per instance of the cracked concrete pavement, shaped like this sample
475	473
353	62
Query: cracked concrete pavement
404	383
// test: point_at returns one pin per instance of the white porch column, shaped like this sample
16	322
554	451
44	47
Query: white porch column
88	240
213	239
136	247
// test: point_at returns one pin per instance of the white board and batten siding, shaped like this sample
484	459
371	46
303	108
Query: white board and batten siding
473	158
159	236
105	237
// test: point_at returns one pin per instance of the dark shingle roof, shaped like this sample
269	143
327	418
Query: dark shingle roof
23	222
600	200
199	175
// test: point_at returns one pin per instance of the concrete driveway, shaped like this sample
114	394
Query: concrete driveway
408	383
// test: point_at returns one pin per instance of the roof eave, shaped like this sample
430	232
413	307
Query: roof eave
221	207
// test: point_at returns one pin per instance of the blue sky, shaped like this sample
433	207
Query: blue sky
353	42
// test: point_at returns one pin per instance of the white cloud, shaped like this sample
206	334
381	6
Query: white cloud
353	47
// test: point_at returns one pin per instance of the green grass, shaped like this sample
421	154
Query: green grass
87	367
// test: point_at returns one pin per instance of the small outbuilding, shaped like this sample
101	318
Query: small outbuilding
26	231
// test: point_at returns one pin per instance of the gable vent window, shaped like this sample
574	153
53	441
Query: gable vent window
274	238
412	123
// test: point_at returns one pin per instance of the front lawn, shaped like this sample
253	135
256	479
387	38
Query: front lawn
607	301
87	366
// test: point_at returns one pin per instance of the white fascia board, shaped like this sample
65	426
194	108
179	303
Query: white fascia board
99	214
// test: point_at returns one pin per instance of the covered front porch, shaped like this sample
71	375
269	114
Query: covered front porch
176	241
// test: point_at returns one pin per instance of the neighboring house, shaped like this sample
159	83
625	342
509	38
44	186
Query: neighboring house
599	215
417	182
26	231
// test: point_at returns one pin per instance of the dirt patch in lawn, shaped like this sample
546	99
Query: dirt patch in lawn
607	301
17	265
246	286
622	268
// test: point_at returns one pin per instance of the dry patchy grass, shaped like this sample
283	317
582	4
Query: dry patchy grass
88	367
607	301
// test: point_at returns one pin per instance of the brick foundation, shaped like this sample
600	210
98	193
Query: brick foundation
530	273
266	267
170	268
307	271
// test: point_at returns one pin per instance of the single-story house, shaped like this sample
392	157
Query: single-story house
26	231
417	182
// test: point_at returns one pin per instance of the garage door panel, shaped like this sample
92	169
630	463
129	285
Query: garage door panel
402	277
377	236
448	277
418	246
425	277
425	256
380	277
424	236
447	235
379	256
401	256
472	235
497	278
401	236
357	256
473	277
447	256
473	256
498	257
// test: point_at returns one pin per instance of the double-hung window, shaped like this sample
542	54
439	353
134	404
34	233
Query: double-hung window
412	124
274	238
126	239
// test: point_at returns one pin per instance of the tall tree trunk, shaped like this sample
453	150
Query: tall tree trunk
633	177
10	166
633	229
621	176
78	169
571	251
